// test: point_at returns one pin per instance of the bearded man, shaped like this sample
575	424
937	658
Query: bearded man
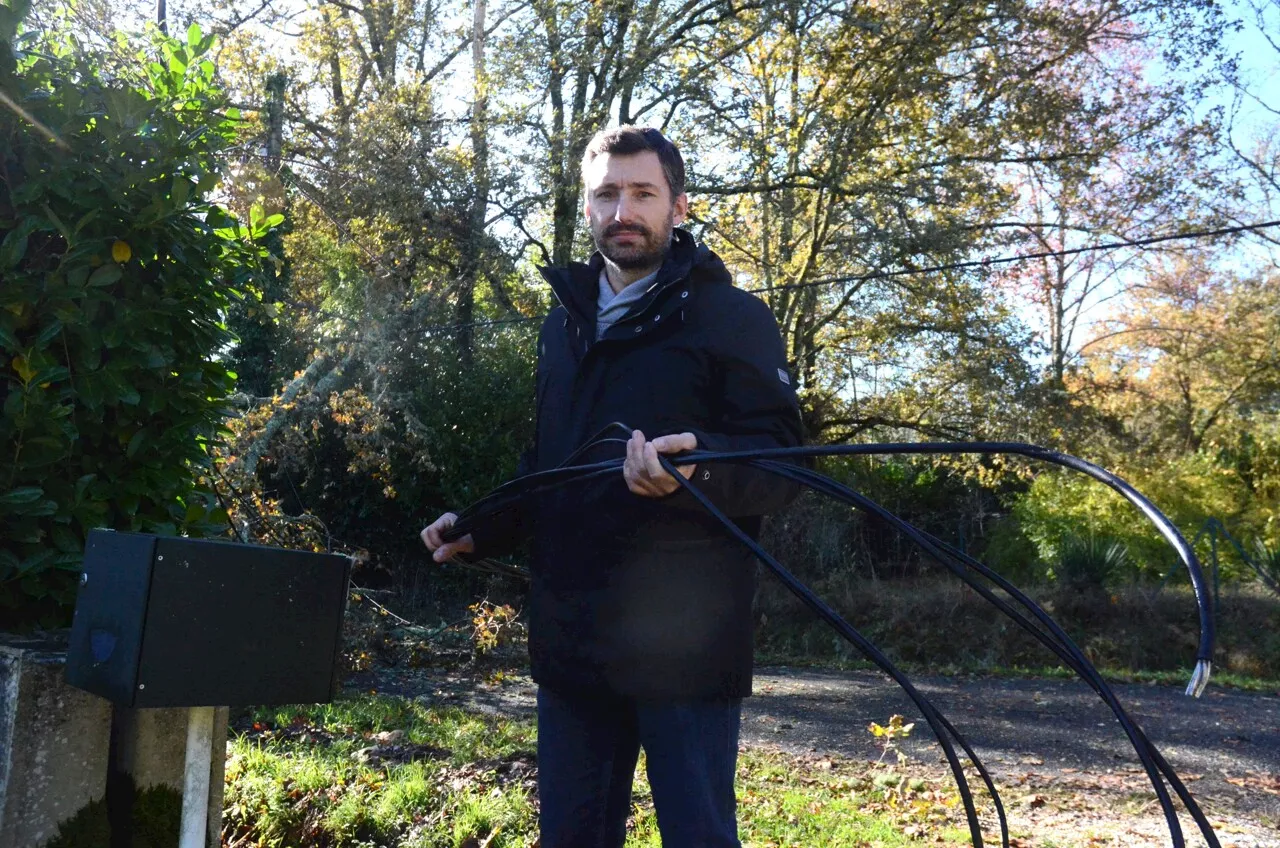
640	626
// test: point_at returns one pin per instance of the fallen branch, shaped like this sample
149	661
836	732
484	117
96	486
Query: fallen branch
246	461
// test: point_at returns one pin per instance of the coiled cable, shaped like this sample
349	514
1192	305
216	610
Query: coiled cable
775	461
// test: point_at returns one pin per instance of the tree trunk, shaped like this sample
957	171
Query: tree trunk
480	197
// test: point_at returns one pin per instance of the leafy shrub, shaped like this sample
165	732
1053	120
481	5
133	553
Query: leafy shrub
1266	559
1090	562
1187	489
1127	628
1010	552
401	435
819	539
117	273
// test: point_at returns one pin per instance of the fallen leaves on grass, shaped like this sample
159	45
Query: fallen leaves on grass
376	755
1269	783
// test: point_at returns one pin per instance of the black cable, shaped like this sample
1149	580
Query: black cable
506	496
939	724
958	562
1172	535
1065	649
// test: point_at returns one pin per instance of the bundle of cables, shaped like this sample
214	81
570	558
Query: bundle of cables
783	462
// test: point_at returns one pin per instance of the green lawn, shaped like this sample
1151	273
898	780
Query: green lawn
379	770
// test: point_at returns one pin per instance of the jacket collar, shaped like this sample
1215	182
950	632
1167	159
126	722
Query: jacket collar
576	286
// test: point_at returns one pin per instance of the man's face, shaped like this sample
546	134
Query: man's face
630	210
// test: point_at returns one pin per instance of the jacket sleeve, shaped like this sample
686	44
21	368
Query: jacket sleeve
501	534
757	408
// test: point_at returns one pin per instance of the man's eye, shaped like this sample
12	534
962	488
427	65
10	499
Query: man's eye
604	195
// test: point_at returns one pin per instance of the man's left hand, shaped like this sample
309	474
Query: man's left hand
644	473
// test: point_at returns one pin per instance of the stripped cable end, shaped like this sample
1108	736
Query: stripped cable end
1199	678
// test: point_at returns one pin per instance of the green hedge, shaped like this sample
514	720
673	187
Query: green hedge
117	272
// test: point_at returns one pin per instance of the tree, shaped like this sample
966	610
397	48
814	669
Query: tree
1189	377
429	156
1255	145
1193	360
1130	163
590	63
856	146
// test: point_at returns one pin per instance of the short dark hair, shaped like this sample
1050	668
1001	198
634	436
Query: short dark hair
628	139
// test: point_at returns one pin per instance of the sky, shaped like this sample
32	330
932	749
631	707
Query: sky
1259	60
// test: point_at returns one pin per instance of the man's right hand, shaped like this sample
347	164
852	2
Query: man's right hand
442	551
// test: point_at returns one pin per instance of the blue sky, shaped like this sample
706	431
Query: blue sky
1259	60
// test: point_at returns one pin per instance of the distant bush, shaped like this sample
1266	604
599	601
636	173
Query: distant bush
399	437
938	623
1012	554
1266	559
1090	562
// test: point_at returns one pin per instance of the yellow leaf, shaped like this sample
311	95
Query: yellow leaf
24	369
120	252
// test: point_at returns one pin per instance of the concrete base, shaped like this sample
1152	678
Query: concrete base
151	748
56	747
54	743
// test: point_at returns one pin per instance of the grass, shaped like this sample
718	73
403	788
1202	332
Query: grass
375	771
786	801
378	770
322	776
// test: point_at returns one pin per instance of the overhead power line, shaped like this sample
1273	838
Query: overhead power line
928	269
1021	257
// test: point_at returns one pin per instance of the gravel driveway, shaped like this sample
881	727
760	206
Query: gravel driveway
1015	724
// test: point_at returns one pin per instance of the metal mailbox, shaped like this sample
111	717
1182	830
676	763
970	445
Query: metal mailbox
175	622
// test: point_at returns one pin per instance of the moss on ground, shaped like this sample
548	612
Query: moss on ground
157	817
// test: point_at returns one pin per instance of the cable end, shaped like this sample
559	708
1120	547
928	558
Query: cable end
1199	678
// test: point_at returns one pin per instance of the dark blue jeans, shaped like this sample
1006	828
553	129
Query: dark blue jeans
587	751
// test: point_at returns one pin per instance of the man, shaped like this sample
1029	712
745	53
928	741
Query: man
640	630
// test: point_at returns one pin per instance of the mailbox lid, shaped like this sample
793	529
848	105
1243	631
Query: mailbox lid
233	625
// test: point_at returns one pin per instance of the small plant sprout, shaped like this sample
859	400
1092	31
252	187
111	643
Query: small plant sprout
889	736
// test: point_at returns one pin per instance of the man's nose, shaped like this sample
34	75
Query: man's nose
622	212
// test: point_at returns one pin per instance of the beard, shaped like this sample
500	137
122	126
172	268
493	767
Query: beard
647	252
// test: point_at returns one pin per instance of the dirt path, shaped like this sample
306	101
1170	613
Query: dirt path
1062	763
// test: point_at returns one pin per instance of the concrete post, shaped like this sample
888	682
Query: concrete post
54	743
195	791
56	750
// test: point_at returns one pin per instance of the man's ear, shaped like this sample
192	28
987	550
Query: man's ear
680	209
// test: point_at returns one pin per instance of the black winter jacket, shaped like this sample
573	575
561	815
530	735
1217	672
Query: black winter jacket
649	597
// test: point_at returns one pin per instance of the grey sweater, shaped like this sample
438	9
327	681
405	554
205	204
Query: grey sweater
610	307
